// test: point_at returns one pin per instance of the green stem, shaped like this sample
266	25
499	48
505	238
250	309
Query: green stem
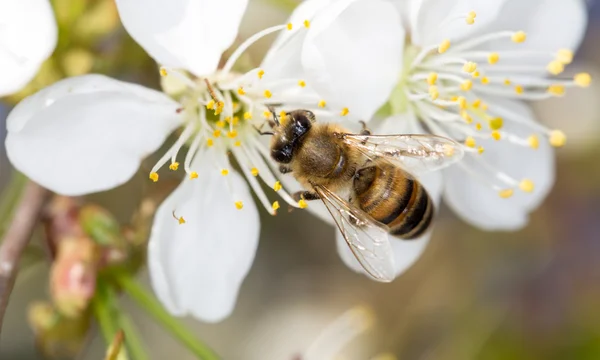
10	196
132	340
154	308
105	313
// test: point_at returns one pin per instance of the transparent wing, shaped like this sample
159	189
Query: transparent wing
417	154
367	238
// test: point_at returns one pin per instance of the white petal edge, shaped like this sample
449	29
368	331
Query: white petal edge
28	35
197	268
352	54
186	34
88	133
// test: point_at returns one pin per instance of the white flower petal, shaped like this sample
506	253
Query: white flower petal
28	35
87	133
186	34
197	268
436	20
352	54
479	204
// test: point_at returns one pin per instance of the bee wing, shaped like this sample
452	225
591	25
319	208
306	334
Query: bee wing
417	154
367	238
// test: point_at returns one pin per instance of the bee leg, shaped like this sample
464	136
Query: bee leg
306	195
284	169
364	130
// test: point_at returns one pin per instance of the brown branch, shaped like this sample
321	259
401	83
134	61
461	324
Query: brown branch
17	237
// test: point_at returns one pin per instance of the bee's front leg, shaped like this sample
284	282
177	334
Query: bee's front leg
306	195
365	130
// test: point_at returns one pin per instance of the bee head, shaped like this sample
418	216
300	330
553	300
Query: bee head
288	134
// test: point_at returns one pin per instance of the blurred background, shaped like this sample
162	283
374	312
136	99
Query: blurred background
532	294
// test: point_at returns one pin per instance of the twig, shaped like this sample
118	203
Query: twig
17	237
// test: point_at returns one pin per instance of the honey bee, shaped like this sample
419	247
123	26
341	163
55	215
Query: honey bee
367	182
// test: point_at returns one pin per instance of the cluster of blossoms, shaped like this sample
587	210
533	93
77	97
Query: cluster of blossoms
458	69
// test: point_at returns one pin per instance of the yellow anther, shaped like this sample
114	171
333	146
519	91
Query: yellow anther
476	74
444	46
507	82
220	124
193	175
210	105
306	24
302	204
153	176
480	150
472	14
470	142
260	73
267	114
527	185
454	98
496	135
290	26
228	119
493	58
224	172
465	115
210	142
484	106
275	206
519	37
433	92
556	90
163	72
432	78
232	134
241	91
555	67
565	56
505	194
485	80
235	106
181	220
533	141
478	127
583	79
470	20
247	115
301	83
217	133
558	138
345	111
236	120
462	102
466	85
237	143
254	171
470	67
174	166
277	186
519	89
322	103
477	103
239	205
496	124
268	94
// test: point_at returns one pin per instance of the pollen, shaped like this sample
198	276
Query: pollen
193	175
254	171
217	133
493	58
210	105
282	116
237	143
527	185
466	85
485	80
241	91
519	89
470	20
174	166
302	204
260	73
476	74
239	205
433	92
533	141
236	120
153	176
275	206
556	90
462	102
322	103
496	135
470	142
277	186
220	124
558	138
480	150
345	111
555	67
506	194
444	46
565	56
583	80
210	142
247	115
465	115
477	103
496	124
268	94
478	127
224	172
290	26
163	72
306	24
432	78
267	114
507	82
470	67
232	134
301	83
181	220
519	37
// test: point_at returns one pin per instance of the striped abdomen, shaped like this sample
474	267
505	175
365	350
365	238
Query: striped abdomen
391	197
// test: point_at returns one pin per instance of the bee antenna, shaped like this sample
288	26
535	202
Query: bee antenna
275	118
211	91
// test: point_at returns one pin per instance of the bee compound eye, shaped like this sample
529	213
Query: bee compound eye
282	155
